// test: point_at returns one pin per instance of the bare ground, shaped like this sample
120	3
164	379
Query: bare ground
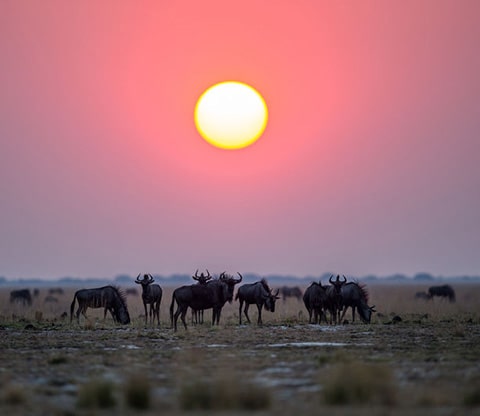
428	361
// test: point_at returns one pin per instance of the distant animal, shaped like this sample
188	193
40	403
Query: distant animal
334	302
22	296
291	292
212	295
445	291
50	299
151	295
355	296
131	291
36	292
314	299
110	298
197	315
422	295
259	294
55	291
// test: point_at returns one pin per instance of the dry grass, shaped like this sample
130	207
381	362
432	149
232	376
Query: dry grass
428	359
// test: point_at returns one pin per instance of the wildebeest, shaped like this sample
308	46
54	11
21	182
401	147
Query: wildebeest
258	293
315	298
334	298
197	315
22	296
132	291
151	295
212	295
50	299
422	295
444	291
108	297
55	291
291	292
355	296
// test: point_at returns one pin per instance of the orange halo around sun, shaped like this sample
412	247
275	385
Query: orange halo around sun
231	115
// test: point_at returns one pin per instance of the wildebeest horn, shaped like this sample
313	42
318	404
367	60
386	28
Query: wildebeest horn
276	294
222	275
330	280
372	308
208	273
151	280
137	280
345	279
238	280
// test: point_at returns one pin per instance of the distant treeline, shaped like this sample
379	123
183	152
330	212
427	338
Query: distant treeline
274	280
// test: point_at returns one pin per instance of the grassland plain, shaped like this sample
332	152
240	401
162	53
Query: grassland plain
429	361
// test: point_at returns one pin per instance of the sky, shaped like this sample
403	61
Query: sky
369	164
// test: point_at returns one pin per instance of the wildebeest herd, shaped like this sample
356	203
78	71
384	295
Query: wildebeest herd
328	303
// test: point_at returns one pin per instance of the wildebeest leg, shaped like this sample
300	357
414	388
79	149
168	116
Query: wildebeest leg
246	311
240	312
259	320
157	311
353	313
175	318
146	314
182	317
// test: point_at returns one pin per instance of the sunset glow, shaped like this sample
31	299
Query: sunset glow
231	115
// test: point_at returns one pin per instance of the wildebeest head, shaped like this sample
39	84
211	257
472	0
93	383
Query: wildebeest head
202	279
366	313
229	286
270	300
147	280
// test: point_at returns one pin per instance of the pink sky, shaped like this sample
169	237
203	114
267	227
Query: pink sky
370	163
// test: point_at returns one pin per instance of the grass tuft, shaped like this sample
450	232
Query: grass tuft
138	392
359	383
96	394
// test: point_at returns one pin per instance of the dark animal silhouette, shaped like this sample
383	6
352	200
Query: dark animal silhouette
444	291
151	295
108	297
315	298
202	279
259	294
22	296
291	292
334	298
212	295
355	296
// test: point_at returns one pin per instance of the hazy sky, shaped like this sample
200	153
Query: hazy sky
370	162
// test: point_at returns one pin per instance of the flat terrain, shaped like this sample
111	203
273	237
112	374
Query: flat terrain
427	361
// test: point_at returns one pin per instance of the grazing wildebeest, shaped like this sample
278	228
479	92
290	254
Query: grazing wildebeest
151	295
197	316
22	296
291	292
444	291
108	297
355	296
212	295
334	298
315	298
55	291
422	295
258	293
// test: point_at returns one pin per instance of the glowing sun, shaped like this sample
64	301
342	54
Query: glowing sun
231	115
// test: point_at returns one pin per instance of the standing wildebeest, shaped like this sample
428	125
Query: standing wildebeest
315	298
22	296
108	297
256	293
197	315
444	291
152	295
213	294
355	296
293	292
334	298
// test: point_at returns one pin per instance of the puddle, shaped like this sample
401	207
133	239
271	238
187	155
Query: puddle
304	344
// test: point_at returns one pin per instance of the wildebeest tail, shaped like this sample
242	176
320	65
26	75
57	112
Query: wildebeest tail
72	306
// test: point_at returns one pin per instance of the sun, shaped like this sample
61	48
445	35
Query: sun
231	115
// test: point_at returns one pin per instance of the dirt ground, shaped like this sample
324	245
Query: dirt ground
428	359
